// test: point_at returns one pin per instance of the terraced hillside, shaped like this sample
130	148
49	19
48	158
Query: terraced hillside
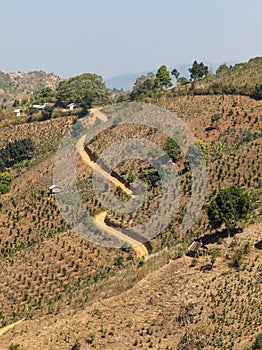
70	289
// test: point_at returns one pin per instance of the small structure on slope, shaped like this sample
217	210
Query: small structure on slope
54	189
17	112
196	248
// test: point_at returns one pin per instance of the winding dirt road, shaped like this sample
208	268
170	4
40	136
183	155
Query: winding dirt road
139	248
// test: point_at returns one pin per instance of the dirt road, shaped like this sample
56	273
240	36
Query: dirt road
99	219
11	326
138	247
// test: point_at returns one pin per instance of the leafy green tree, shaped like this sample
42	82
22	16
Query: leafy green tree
172	149
163	78
175	73
229	207
46	113
198	71
86	89
143	85
181	81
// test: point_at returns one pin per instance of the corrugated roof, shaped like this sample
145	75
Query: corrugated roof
195	246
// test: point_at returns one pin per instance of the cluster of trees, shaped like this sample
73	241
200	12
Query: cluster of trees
151	82
16	152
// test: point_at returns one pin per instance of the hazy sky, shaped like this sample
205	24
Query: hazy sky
112	37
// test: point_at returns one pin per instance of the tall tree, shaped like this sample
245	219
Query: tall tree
198	71
86	89
143	85
175	73
163	78
229	207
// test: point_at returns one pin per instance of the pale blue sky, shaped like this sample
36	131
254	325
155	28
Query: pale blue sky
112	37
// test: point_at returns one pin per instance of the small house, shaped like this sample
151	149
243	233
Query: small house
54	189
38	107
17	112
196	248
71	106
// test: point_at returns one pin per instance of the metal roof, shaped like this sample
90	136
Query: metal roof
195	246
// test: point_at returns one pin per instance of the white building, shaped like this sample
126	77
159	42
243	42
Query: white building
71	106
38	106
17	112
54	189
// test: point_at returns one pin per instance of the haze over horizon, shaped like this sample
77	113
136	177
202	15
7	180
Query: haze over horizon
109	38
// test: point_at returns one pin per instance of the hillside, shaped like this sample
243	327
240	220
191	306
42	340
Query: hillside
23	85
241	78
67	291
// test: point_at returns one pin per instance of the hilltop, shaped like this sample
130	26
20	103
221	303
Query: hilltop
22	86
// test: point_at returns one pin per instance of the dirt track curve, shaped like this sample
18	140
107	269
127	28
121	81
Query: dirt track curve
139	248
11	326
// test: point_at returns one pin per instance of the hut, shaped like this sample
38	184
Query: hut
54	189
196	248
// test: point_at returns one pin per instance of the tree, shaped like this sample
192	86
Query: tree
143	85
175	73
86	89
163	78
172	149
258	342
198	71
258	92
181	81
229	207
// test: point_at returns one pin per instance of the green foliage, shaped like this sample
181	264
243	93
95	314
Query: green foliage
230	206
142	86
92	338
216	117
163	78
46	113
172	149
258	91
14	347
198	71
258	342
239	255
16	152
86	89
77	345
4	188
175	73
181	81
197	153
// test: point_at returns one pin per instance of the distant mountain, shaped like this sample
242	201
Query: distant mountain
123	81
126	81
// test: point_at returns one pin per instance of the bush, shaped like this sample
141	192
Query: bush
258	342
